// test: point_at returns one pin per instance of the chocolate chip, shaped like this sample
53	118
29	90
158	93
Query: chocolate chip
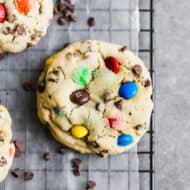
28	86
41	86
73	18
107	97
61	20
147	83
97	106
118	104
28	175
76	162
16	172
47	156
61	150
20	30
90	184
70	5
80	97
1	56
137	70
18	151
124	48
66	13
55	10
130	113
91	21
94	144
76	172
3	161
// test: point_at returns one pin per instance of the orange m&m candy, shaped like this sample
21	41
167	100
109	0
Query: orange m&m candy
24	6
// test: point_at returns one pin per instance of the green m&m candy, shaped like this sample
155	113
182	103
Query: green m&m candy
82	76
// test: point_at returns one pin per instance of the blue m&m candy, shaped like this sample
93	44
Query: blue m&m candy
124	140
128	90
57	110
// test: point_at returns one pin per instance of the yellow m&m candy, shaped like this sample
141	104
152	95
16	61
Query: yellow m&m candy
50	60
79	131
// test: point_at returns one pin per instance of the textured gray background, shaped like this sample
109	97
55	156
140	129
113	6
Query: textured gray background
173	88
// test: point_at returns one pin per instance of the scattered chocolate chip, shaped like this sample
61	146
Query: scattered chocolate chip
76	162
90	184
73	18
76	172
20	30
66	12
28	86
1	56
41	86
3	161
61	150
147	83
47	156
137	70
16	172
18	149
28	175
70	5
118	104
61	20
80	97
55	10
124	48
91	21
107	97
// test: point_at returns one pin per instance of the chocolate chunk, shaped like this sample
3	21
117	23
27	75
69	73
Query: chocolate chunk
28	175
90	184
61	150
91	21
73	18
61	20
137	70
76	172
18	151
55	10
66	45
124	48
70	5
28	86
147	83
1	56
47	156
118	104
20	30
41	86
16	172
107	97
3	161
80	97
66	13
76	162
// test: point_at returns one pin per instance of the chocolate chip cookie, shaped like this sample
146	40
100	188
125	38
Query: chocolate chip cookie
23	23
95	98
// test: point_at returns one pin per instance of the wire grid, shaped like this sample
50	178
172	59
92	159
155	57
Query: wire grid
114	172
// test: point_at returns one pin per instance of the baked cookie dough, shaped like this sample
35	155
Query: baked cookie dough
95	97
7	149
23	23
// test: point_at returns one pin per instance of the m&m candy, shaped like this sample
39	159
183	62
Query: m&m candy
25	6
79	131
57	110
112	64
128	90
124	140
3	13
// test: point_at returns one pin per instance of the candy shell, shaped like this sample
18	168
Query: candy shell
25	6
128	90
57	110
124	140
112	64
79	131
3	13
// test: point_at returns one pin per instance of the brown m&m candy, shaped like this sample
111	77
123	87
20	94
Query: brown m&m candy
80	97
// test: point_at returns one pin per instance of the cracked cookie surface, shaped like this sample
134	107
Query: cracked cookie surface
7	149
23	23
95	97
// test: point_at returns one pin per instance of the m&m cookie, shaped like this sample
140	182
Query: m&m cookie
95	97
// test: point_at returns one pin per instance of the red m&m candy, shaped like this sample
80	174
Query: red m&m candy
24	6
3	13
113	121
112	64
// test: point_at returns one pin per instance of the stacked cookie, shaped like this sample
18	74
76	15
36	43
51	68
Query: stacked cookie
7	149
95	97
23	23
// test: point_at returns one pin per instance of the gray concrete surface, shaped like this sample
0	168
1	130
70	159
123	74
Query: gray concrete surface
173	92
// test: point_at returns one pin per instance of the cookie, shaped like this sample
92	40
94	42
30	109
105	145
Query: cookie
95	97
23	23
7	149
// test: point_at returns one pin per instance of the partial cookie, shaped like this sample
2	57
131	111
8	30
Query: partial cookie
95	97
23	23
7	149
